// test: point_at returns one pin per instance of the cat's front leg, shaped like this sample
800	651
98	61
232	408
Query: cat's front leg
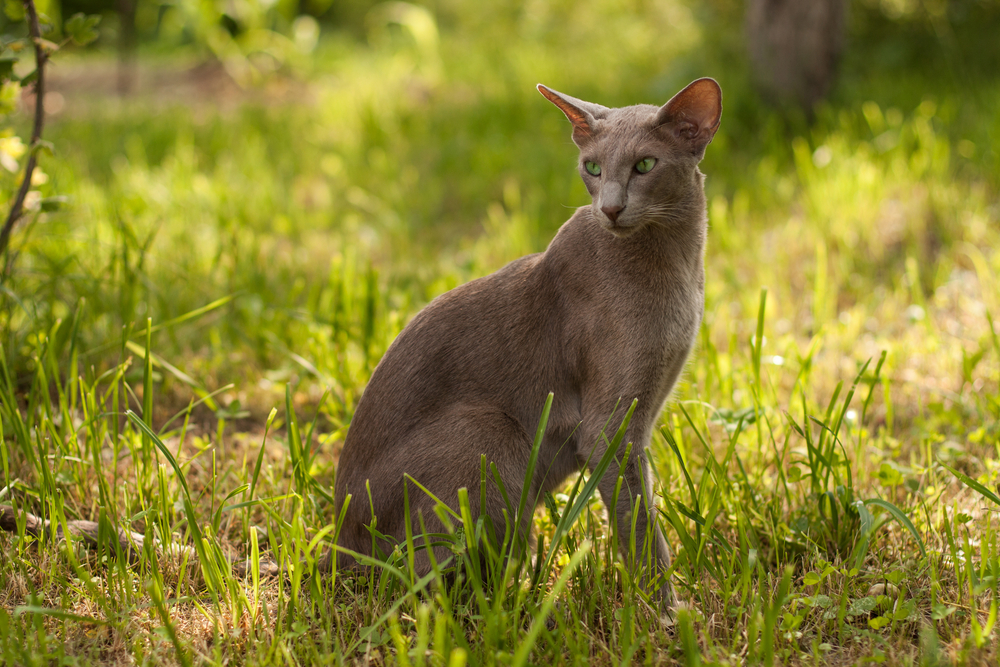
640	538
641	542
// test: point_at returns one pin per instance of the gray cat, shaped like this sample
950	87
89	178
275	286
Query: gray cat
607	314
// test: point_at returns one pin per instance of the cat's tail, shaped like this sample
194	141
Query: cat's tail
130	542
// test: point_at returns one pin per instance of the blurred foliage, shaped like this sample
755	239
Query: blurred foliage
952	38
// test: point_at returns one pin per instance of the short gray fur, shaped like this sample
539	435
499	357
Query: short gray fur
607	314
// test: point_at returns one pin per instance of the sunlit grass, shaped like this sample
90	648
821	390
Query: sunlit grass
184	348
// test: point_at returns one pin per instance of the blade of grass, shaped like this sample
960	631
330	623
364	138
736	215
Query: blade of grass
527	642
973	484
899	516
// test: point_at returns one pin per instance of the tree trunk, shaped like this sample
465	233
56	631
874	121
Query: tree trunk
795	46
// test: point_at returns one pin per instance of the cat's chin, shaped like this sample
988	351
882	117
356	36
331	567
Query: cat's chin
621	231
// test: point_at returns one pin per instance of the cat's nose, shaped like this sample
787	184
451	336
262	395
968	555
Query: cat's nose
612	212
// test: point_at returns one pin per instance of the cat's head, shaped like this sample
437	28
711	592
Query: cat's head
640	163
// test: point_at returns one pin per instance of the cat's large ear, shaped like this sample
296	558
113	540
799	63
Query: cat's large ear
693	115
582	114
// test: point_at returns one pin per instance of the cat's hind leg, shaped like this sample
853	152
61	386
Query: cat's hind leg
461	450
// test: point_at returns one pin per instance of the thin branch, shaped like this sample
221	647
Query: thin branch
17	209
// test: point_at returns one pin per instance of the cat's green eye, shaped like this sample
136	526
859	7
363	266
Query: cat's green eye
644	165
593	168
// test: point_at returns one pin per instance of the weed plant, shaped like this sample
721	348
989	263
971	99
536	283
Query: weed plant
184	347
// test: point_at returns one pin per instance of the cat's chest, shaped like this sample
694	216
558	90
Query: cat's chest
638	332
655	308
660	321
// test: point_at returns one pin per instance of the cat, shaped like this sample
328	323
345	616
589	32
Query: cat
607	314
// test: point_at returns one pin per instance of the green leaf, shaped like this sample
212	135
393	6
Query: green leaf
7	63
811	579
878	622
889	475
790	621
894	577
862	606
14	9
904	611
821	601
941	611
50	204
81	28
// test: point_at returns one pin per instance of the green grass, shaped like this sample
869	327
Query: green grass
185	344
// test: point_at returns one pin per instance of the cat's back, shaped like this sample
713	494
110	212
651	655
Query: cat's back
468	344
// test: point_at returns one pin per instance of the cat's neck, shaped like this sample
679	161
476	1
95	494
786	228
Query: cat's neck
663	244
